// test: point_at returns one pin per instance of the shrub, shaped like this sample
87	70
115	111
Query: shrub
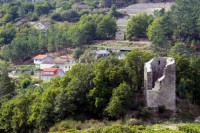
77	53
56	17
161	109
116	129
34	17
144	112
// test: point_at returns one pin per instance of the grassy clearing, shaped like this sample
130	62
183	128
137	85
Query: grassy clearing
145	45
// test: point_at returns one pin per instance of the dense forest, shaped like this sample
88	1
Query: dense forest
104	89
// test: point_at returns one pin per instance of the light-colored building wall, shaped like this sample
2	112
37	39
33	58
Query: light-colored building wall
159	82
39	61
45	78
43	66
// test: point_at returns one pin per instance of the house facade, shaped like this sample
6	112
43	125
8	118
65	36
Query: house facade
52	63
49	73
65	66
42	58
68	66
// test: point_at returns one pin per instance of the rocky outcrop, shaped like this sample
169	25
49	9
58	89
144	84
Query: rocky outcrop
197	120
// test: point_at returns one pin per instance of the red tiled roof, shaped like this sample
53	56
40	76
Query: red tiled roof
40	57
54	62
54	71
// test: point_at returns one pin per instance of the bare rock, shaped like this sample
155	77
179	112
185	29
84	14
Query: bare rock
197	120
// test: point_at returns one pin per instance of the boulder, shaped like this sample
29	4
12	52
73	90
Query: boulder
197	120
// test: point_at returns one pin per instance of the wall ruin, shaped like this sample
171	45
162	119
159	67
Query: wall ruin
159	82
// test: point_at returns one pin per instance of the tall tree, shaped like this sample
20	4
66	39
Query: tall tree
160	32
137	26
6	86
134	64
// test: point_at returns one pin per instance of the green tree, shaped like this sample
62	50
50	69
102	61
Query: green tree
113	11
186	19
46	116
120	101
7	34
63	107
26	8
7	87
179	48
109	73
134	64
25	83
137	26
160	32
106	28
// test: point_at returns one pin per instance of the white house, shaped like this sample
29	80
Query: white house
49	73
42	58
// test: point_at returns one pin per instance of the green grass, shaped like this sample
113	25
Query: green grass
120	126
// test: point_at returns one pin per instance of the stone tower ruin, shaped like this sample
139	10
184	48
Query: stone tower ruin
159	82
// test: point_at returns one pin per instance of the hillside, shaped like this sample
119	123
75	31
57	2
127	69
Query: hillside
63	69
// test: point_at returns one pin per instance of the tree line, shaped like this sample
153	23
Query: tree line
20	43
102	89
62	10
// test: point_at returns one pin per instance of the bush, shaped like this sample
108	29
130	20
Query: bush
77	53
144	112
56	17
70	16
116	129
34	17
25	83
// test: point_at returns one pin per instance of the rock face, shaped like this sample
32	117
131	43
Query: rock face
197	120
159	83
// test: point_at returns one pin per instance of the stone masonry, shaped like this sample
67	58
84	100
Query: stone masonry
159	82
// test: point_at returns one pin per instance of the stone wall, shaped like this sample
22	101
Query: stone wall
159	82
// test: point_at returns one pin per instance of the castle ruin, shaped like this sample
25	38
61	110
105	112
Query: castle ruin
159	82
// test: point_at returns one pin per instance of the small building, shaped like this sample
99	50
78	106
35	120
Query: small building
68	66
41	58
102	53
49	73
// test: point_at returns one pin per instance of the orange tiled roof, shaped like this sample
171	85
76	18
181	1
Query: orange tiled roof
40	57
